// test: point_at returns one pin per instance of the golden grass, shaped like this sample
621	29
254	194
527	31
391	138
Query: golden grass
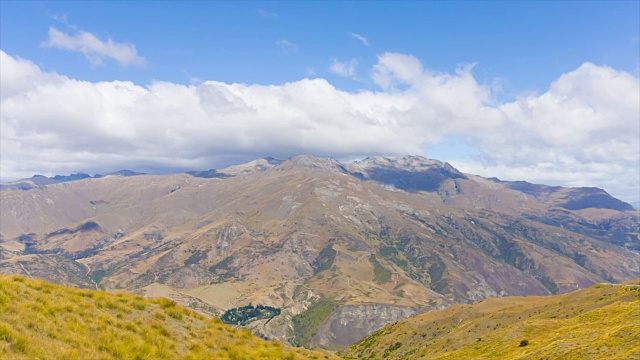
600	322
46	321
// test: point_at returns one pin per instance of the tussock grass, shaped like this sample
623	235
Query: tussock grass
46	321
600	322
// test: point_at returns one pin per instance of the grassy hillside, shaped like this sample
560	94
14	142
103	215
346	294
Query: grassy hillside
46	321
600	322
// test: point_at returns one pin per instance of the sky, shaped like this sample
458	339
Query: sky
546	92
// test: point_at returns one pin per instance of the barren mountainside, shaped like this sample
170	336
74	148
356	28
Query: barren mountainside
341	248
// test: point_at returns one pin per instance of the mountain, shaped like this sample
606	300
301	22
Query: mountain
600	322
341	248
40	320
121	173
41	180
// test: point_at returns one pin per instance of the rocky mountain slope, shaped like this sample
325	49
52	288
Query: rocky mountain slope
600	322
342	249
41	320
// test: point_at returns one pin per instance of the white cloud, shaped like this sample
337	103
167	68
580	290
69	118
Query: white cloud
286	46
583	131
397	69
361	38
94	49
344	68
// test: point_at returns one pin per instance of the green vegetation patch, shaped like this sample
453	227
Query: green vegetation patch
246	314
325	259
549	284
381	274
195	258
388	251
414	268
306	323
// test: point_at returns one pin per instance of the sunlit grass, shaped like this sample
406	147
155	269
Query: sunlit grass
600	322
46	321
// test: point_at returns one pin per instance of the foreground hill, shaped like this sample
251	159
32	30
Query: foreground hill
342	249
600	322
40	320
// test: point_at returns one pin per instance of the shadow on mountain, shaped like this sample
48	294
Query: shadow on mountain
540	192
576	199
208	174
584	198
413	181
88	226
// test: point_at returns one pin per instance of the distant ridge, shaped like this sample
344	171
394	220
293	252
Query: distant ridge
410	173
41	180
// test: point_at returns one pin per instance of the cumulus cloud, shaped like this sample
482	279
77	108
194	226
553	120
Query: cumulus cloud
397	69
345	68
94	49
360	38
583	131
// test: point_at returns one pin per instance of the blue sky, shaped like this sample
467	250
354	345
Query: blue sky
518	48
525	44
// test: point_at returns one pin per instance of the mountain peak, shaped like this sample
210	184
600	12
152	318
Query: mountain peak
408	162
257	165
308	161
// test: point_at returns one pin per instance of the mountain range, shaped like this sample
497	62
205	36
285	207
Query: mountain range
341	248
41	180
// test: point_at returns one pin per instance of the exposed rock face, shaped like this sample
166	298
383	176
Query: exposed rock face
350	323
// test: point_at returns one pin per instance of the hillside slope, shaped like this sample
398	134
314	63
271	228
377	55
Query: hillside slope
600	322
40	320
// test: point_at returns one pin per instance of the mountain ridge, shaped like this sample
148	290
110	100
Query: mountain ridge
408	163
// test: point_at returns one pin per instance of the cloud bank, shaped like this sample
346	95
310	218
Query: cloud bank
94	49
583	131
